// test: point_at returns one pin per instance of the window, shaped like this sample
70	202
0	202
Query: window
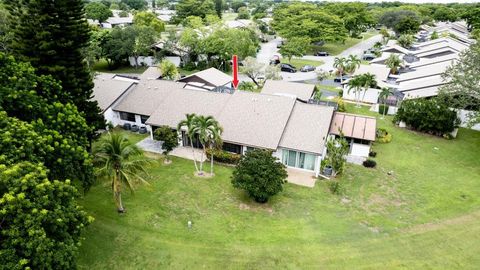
127	116
233	148
298	160
143	118
250	148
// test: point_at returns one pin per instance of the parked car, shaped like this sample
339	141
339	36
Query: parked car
287	68
338	79
307	68
368	57
127	126
142	130
134	128
321	54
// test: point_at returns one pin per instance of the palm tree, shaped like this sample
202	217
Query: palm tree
353	62
384	93
209	131
394	62
340	63
189	124
355	84
121	160
215	142
368	80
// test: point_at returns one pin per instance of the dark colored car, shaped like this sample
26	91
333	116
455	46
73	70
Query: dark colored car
307	68
322	54
134	128
287	68
127	126
337	79
142	130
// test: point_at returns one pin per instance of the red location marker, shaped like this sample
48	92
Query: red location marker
235	72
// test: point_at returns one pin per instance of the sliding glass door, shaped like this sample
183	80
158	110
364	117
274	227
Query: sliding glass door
298	160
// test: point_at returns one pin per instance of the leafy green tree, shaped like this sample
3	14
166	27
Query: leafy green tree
445	14
41	222
401	21
463	89
118	45
260	175
243	13
209	134
211	19
337	151
169	140
472	17
427	115
199	8
405	40
295	46
434	35
219	8
135	4
169	70
145	37
188	125
247	86
394	63
236	4
385	34
6	34
97	11
187	44
193	22
54	45
123	14
307	20
273	73
148	19
122	162
252	69
356	16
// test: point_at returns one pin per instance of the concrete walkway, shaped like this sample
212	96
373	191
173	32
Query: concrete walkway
150	145
301	178
186	152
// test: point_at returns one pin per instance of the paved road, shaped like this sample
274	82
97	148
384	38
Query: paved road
269	49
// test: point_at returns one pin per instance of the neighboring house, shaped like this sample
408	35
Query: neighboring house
381	73
300	91
358	130
238	23
118	22
421	87
108	91
207	79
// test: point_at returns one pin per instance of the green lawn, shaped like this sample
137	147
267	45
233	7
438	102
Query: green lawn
102	66
425	215
298	62
335	48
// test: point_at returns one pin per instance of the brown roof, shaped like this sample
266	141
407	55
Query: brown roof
354	126
107	90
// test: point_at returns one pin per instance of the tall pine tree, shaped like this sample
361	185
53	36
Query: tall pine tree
52	35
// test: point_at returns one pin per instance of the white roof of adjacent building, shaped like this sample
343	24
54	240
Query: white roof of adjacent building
210	76
427	71
238	23
120	20
307	128
381	72
432	61
396	49
432	81
107	90
301	91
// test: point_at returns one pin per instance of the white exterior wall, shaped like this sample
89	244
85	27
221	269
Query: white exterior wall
371	95
149	61
464	117
174	59
361	150
116	121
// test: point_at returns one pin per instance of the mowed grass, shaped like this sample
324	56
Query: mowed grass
424	215
335	48
102	66
298	62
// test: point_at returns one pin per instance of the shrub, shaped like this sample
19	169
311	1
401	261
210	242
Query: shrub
259	174
427	115
370	163
168	137
382	109
383	136
335	187
372	154
247	86
223	156
341	104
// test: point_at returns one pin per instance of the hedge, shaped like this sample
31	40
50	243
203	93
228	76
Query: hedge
223	156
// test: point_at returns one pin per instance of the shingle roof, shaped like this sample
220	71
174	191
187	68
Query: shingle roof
147	96
354	126
107	90
431	81
432	61
300	90
423	72
307	128
151	73
381	72
255	119
212	75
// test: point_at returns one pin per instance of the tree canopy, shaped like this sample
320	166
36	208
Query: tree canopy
148	19
401	21
199	8
97	11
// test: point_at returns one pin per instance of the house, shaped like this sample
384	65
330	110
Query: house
118	22
359	131
300	91
108	91
381	73
207	79
295	131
